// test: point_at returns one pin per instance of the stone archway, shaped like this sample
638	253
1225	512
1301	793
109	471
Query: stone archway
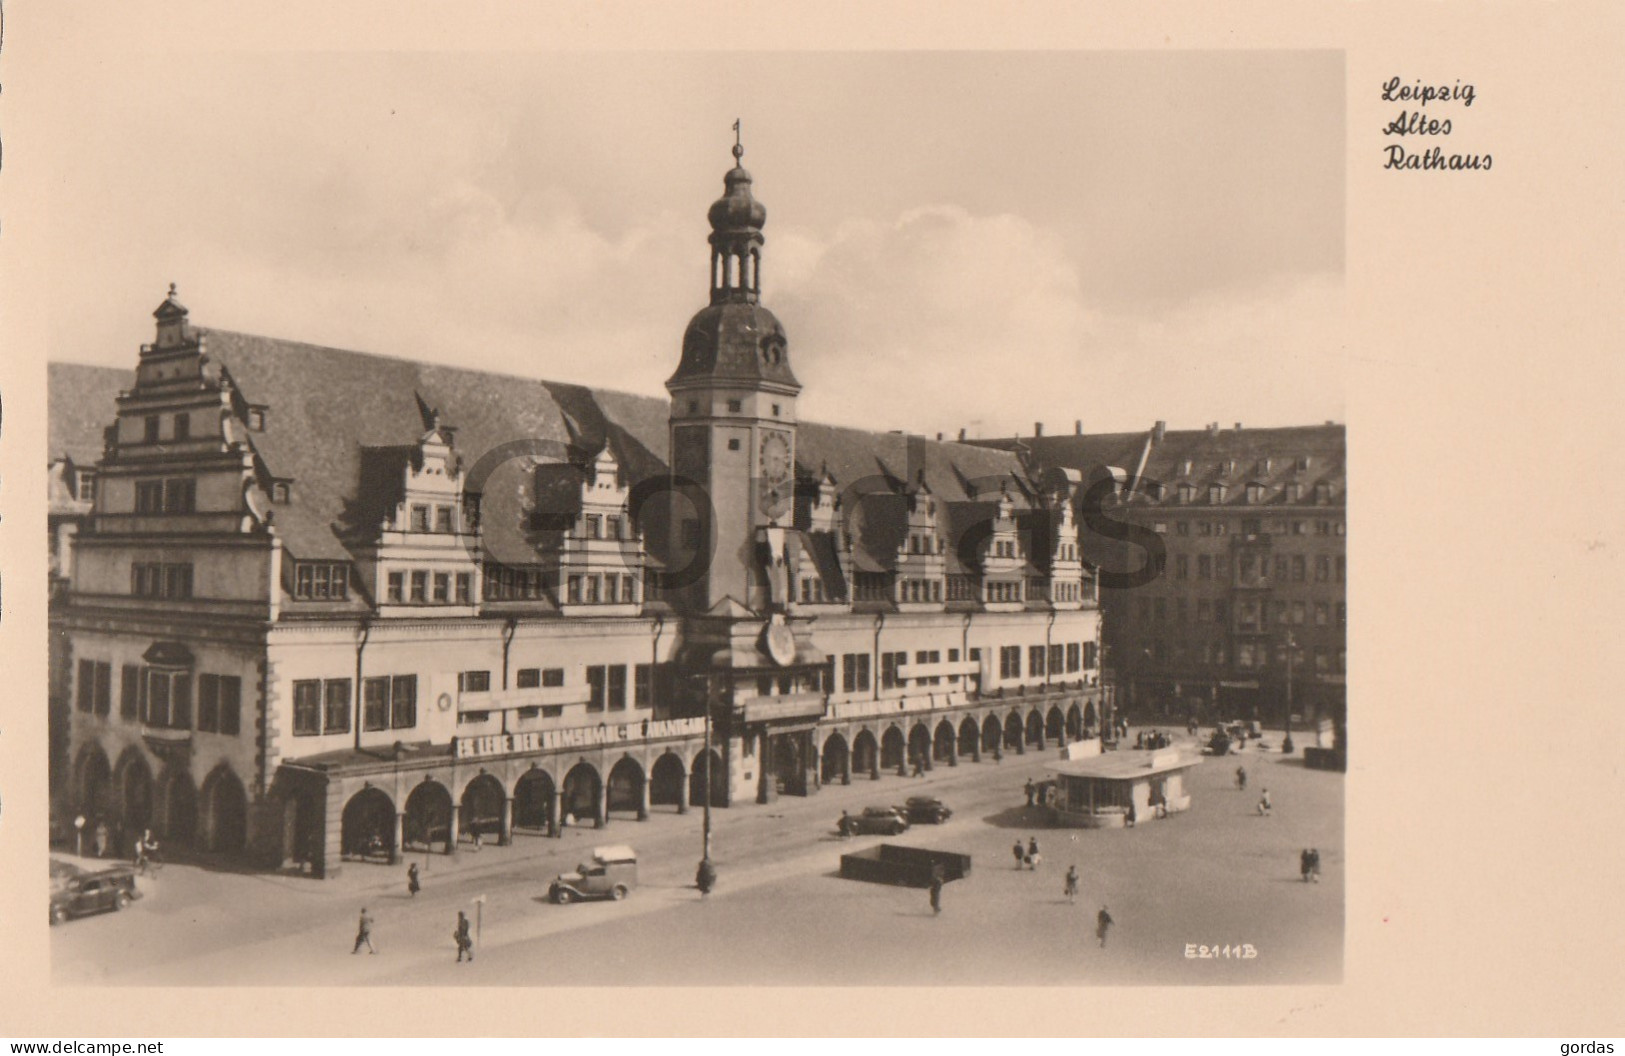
180	809
1074	723
480	809
582	792
667	780
93	785
970	737
893	748
427	818
992	733
836	761
366	828
708	770
1055	724
626	782
1012	732
1035	729
866	754
136	796
942	742
225	812
533	801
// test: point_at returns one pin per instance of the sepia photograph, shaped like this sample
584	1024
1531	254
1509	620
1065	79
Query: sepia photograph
710	518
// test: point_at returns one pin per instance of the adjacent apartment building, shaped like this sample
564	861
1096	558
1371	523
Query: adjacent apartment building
324	606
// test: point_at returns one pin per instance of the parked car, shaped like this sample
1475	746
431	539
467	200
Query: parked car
92	893
888	821
926	810
611	873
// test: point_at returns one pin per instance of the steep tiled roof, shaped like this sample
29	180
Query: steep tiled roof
336	418
79	407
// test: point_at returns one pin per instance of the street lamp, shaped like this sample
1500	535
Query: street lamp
1287	747
706	876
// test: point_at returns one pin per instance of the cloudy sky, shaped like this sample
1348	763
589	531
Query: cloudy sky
953	240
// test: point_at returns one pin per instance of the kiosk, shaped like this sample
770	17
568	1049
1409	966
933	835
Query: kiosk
1097	792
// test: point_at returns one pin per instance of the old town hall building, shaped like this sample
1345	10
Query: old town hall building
325	606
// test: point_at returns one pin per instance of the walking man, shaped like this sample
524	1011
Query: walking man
1264	804
1241	778
412	884
465	942
1031	789
1314	864
844	825
1033	857
1304	864
1021	854
1103	922
1072	884
936	893
363	933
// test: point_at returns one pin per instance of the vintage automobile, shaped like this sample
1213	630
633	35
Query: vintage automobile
887	821
611	873
92	893
926	810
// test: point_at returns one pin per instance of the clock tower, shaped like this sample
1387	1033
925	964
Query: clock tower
733	426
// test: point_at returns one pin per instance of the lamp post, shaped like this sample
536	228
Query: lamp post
1287	747
706	876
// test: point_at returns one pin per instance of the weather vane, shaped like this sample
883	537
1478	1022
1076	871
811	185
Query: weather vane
739	148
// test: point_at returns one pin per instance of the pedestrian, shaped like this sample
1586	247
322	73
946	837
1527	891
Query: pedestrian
1021	854
412	884
1031	791
1303	864
1103	921
919	766
1072	883
1314	864
101	839
1033	857
998	754
363	933
705	877
843	825
1264	803
936	893
1241	778
1130	817
465	942
475	833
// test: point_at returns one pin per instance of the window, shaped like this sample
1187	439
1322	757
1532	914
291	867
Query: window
1323	569
129	699
528	677
888	669
1183	613
1182	527
1091	656
403	701
1298	612
1281	568
149	496
149	580
596	680
1057	659
595	526
375	704
1204	566
628	589
208	703
307	707
1160	527
1182	567
256	419
775	410
1323	614
1010	661
219	703
1074	652
337	714
420	587
473	716
442	587
442	519
158	687
552	677
575	590
1298	568
322	581
177	581
231	704
617	687
180	495
592	589
151	426
420	518
397	586
733	444
855	672
465	587
1279	608
95	687
734	406
183	427
474	682
643	685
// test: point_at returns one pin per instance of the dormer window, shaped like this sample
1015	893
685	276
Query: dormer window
1323	493
1255	493
1294	492
442	519
1187	492
183	426
85	486
256	419
1186	468
1229	466
151	425
1303	462
1264	465
1215	493
321	581
279	491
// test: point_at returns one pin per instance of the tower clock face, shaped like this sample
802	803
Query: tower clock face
775	469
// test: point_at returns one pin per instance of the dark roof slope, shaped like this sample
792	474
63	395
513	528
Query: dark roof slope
79	407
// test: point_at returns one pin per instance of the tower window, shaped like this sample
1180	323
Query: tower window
735	406
775	410
733	445
151	426
183	426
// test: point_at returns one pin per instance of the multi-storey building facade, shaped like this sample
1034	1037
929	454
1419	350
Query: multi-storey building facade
1242	536
327	606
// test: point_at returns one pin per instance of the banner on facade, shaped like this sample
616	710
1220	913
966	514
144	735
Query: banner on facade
574	737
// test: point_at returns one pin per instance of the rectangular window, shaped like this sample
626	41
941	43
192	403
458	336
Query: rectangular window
129	701
337	718
528	677
403	701
552	677
628	589
1323	614
596	683
1057	659
595	526
397	586
157	698
1182	567
643	685
151	427
1280	611
1298	568
473	716
183	427
324	578
208	703
1010	661
420	587
87	685
1182	527
231	705
307	707
149	496
1074	653
177	581
1323	569
1281	568
1204	567
420	518
888	670
575	590
375	704
442	588
1183	613
474	682
1090	656
617	687
180	495
442	519
1298	612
